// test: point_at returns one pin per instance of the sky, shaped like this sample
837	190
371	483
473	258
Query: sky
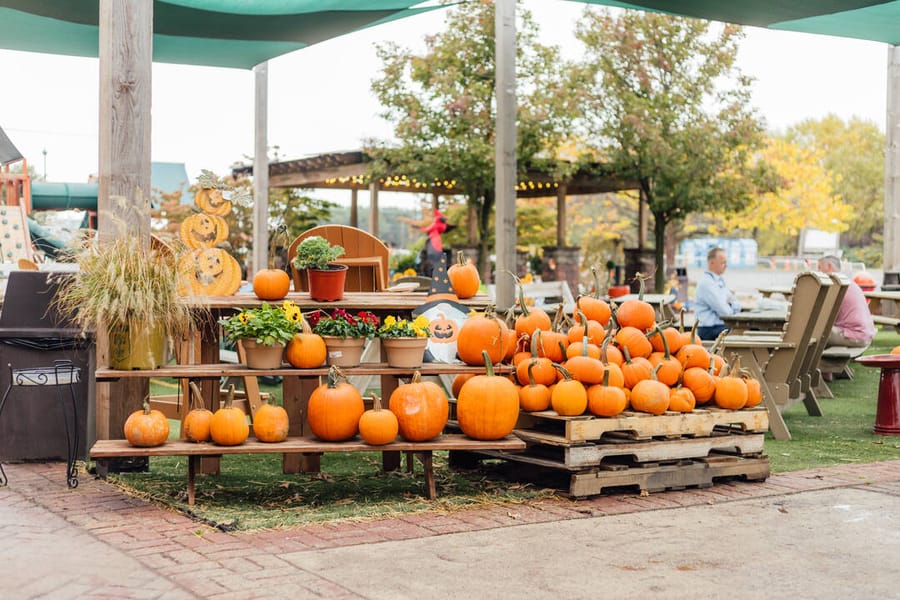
320	101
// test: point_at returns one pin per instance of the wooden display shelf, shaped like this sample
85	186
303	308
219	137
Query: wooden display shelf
107	449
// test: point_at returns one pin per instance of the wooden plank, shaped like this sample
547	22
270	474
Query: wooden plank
450	441
582	456
217	370
700	422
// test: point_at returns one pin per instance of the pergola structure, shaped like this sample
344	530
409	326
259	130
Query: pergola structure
349	171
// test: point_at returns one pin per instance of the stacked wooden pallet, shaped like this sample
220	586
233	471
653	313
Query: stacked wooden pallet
637	450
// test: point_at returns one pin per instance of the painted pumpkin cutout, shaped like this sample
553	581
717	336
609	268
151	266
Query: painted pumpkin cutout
444	330
203	231
211	201
208	272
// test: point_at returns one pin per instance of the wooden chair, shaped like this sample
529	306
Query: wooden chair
777	360
364	254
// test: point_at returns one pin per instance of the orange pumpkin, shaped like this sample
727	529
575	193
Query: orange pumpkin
586	327
635	369
270	423
895	350
637	313
458	382
211	201
306	350
541	368
700	382
592	306
754	392
421	408
229	424
271	284
584	368
635	341
488	405
482	332
146	428
605	400
335	408
670	369
681	399
568	398
464	277
533	396
671	336
650	396
531	318
731	389
195	427
377	426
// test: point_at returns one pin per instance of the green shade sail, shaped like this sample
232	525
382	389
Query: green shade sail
874	20
222	33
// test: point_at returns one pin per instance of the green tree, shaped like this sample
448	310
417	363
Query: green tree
441	103
665	105
854	152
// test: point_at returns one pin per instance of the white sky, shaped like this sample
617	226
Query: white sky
319	98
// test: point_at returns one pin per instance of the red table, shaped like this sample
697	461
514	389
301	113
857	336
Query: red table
887	418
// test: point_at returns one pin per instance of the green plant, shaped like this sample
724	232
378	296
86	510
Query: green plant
343	324
315	252
397	328
267	324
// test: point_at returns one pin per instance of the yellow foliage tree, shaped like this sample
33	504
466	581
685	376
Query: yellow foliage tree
805	196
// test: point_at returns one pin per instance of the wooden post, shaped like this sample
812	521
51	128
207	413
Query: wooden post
123	190
561	192
505	150
891	260
373	208
354	207
261	169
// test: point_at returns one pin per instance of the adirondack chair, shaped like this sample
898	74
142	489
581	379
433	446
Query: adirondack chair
777	361
816	386
364	254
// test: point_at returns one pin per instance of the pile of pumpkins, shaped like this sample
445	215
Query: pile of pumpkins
605	361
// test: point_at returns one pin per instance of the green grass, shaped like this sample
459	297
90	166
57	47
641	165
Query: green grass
251	492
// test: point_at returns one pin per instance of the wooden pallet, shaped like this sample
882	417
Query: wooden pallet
648	477
642	426
548	453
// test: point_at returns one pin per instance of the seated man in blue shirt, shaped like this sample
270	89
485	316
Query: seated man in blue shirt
712	298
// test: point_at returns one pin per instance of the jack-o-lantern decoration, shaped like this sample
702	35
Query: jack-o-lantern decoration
444	330
203	231
212	202
208	272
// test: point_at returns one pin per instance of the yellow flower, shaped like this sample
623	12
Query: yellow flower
243	318
390	321
410	273
421	322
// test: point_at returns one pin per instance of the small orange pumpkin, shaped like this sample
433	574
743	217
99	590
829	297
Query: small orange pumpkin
482	332
637	313
681	399
195	427
531	318
307	349
650	396
534	396
378	426
334	408
569	397
229	424
270	423
605	400
464	277
146	428
731	390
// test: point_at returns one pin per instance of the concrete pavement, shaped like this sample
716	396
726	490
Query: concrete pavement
823	533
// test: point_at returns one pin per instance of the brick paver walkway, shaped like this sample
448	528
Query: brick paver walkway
163	554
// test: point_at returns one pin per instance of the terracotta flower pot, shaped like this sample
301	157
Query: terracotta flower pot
343	352
406	353
262	357
328	285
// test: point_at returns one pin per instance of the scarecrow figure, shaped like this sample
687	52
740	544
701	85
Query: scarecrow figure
434	248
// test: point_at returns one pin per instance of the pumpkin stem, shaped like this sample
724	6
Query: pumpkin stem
627	354
665	342
605	377
521	294
488	366
334	376
146	404
194	394
460	258
531	364
229	397
417	377
596	278
558	317
565	373
655	371
641	278
535	341
376	402
720	339
584	345
603	348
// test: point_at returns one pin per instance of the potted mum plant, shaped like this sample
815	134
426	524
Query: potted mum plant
326	278
264	332
345	334
404	341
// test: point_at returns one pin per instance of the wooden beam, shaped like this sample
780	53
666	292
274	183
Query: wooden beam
123	191
261	168
354	207
892	164
561	215
373	208
313	177
505	150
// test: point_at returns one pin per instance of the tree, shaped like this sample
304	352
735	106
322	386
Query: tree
665	105
805	197
854	152
442	105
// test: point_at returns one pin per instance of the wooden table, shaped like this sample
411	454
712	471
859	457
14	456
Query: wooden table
756	320
884	303
767	292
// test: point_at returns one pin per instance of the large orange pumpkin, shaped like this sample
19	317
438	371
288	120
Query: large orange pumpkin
488	405
482	332
335	408
146	428
464	277
421	408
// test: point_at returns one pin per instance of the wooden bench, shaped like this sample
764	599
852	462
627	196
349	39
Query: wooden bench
107	449
836	360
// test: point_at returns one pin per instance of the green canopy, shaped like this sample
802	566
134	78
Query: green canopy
221	33
874	20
